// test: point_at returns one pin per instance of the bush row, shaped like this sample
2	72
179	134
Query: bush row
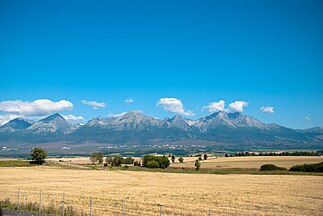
308	168
297	168
152	161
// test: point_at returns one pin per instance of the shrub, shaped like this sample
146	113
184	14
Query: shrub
205	156
270	167
308	168
38	155
162	161
152	164
128	160
146	159
200	157
181	159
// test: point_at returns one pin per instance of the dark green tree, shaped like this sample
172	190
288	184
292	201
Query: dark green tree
181	159
205	156
197	165
38	155
153	164
129	160
117	161
173	158
163	161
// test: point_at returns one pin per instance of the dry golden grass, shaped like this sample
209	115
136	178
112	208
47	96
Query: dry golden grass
180	194
73	160
250	162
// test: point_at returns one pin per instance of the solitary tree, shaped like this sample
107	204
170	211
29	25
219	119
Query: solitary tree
197	165
96	157
181	159
205	156
109	160
117	161
173	158
38	155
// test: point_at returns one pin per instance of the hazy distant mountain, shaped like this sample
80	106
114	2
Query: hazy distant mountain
128	127
135	127
17	124
230	120
180	122
130	120
314	130
51	124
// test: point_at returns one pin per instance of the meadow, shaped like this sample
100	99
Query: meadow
178	193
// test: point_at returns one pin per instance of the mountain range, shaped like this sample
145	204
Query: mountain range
134	127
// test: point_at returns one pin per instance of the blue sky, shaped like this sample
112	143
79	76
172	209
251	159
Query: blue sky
264	53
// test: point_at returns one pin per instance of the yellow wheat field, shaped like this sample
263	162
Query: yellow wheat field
180	194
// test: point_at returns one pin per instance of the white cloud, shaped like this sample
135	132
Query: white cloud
94	104
307	118
215	106
174	105
238	106
5	118
267	109
35	108
129	100
71	117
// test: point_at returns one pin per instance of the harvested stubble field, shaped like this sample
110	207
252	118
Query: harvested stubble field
250	162
220	162
180	194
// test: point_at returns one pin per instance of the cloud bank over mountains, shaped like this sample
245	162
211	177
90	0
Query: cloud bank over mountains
35	108
267	109
236	106
39	108
129	100
174	105
94	104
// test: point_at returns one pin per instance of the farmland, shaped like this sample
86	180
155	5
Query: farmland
250	162
219	162
180	194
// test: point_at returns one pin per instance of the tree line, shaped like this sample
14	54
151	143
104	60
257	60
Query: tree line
294	153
